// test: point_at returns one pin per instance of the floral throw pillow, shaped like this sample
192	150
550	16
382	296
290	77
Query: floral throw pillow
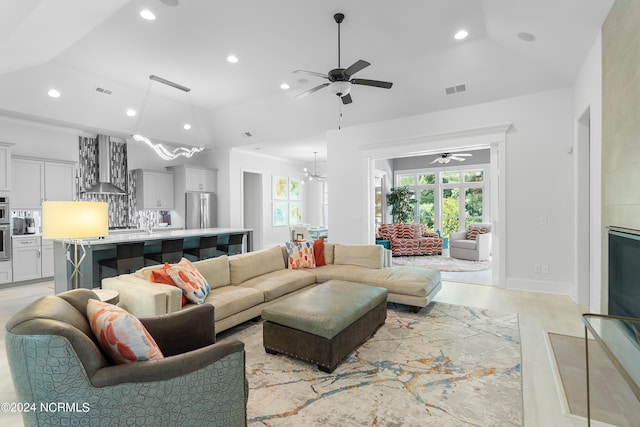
120	334
472	232
187	277
300	255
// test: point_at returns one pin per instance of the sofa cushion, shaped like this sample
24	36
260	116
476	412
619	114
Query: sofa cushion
230	300
370	256
329	250
215	270
281	282
414	281
120	334
463	244
248	265
300	255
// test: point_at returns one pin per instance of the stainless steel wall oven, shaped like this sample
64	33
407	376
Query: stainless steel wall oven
5	229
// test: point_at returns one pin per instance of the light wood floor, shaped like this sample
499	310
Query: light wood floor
538	313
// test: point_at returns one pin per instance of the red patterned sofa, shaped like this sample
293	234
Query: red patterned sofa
411	239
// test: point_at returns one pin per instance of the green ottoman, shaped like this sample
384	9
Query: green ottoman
324	324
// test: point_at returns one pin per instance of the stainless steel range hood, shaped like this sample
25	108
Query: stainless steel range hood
104	185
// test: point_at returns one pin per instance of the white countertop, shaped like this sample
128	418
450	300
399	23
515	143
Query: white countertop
137	235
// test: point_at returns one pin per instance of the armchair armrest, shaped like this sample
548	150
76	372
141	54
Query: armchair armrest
169	330
169	367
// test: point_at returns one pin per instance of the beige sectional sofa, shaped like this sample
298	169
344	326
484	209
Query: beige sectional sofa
242	285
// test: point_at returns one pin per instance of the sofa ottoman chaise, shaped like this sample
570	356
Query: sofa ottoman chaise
324	324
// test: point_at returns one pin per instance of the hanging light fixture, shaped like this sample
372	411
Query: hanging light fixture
315	176
161	150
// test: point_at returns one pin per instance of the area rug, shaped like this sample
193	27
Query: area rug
442	263
447	365
612	401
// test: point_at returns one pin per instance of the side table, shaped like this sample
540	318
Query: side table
107	295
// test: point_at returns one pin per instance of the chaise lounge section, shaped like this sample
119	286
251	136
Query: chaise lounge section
242	285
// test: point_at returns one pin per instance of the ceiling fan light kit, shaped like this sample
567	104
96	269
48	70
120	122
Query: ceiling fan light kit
447	157
340	81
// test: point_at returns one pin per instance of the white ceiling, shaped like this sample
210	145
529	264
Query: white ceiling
78	45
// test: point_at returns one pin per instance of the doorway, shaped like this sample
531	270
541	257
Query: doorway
583	205
252	206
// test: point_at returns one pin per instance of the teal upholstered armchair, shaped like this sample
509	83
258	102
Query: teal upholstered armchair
54	360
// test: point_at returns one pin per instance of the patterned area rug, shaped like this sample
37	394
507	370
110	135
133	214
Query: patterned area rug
447	365
442	263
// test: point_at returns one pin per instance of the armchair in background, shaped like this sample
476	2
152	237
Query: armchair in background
53	357
474	244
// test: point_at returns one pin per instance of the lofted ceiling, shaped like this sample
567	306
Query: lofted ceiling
77	46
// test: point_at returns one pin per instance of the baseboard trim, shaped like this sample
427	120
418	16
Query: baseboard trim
546	287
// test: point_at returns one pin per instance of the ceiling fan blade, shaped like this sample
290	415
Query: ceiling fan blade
436	161
460	159
346	99
462	154
376	83
312	73
303	94
357	66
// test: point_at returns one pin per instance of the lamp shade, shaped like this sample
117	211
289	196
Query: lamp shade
74	220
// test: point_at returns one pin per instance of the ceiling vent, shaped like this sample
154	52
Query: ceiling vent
455	89
246	134
103	90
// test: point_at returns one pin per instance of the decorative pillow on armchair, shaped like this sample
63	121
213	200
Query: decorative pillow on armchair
473	231
300	255
120	334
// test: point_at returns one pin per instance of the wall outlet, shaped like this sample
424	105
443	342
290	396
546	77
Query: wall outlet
537	268
545	269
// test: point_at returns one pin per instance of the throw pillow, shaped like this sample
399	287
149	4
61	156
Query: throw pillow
318	252
162	276
473	231
120	334
187	277
300	255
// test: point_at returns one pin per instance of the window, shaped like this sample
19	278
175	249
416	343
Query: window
447	200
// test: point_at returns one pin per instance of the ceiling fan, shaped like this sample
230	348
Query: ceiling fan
447	157
340	80
310	176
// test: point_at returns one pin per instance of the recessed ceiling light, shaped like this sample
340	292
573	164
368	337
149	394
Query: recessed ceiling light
232	58
131	112
527	37
54	93
284	86
186	126
461	34
147	14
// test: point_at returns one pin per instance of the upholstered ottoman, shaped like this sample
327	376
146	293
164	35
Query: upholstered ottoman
324	324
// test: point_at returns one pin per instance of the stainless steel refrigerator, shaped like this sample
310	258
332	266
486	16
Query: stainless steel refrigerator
200	210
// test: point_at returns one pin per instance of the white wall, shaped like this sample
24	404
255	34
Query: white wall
587	95
240	161
539	184
40	140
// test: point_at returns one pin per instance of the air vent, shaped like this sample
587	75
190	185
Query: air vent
103	90
455	89
246	134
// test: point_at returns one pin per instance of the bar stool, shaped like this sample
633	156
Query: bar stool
206	248
171	252
234	246
129	258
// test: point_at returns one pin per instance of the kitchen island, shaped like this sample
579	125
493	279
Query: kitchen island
104	248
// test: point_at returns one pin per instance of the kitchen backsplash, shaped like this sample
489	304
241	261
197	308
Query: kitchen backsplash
122	208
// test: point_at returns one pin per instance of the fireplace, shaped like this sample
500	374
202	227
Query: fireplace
624	272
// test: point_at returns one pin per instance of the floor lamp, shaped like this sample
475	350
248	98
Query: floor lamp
74	221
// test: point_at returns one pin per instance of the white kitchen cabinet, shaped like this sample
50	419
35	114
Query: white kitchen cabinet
26	258
154	190
35	180
47	258
5	272
5	166
200	179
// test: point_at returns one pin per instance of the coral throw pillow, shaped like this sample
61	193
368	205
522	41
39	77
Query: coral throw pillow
472	232
300	255
120	334
318	252
187	277
162	276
